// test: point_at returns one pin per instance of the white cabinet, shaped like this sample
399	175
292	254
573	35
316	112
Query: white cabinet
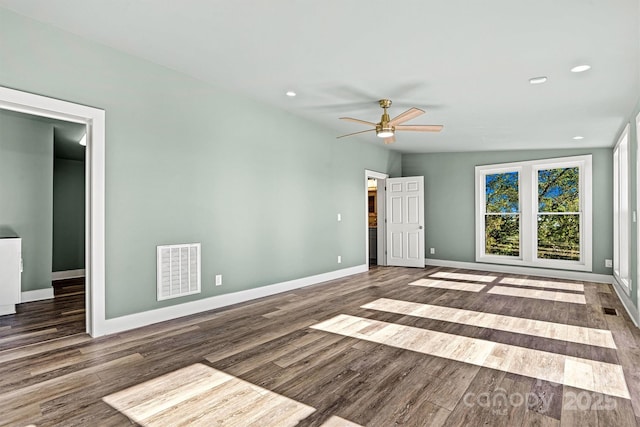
10	271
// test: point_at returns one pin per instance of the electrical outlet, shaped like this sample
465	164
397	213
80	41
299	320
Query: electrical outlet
218	279
339	259
432	251
608	263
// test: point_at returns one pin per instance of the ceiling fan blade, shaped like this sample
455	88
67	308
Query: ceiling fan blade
355	133
407	115
390	140
421	128
364	122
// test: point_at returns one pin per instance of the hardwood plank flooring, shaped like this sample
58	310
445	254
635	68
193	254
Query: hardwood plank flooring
393	346
39	321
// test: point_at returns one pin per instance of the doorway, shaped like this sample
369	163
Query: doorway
42	184
69	218
375	218
94	120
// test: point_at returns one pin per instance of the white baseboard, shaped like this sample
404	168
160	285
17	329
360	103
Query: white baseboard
626	303
69	274
138	320
37	295
544	272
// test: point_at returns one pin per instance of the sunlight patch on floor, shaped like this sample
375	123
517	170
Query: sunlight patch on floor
464	276
199	395
538	294
444	284
519	325
586	374
336	421
548	284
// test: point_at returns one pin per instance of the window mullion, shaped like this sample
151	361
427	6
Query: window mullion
528	196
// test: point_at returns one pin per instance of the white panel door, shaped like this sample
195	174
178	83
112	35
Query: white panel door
405	221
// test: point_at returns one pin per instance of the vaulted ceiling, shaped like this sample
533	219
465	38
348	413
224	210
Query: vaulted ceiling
467	63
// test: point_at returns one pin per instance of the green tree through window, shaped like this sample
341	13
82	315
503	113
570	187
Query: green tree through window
559	214
502	214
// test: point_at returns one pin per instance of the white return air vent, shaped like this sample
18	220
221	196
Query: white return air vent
178	270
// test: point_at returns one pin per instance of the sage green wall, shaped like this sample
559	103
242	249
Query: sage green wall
26	193
188	162
450	208
68	214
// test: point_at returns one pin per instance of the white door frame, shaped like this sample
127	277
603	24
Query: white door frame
381	235
94	119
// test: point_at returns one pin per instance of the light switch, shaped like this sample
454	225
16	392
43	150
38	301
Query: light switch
339	217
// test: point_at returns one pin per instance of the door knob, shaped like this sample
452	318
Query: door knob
420	228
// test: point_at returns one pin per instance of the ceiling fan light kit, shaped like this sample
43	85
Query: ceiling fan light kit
387	127
384	132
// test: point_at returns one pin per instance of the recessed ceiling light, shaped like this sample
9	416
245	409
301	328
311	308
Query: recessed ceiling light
578	137
580	68
537	80
291	93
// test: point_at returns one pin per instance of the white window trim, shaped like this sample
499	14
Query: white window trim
622	214
481	212
528	212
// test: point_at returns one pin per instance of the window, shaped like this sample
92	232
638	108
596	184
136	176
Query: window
621	217
502	214
558	216
535	213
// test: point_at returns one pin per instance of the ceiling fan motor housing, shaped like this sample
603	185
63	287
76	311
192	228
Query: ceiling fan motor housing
384	129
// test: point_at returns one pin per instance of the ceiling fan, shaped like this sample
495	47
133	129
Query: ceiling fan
387	127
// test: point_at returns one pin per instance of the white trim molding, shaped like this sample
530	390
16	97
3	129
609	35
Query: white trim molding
530	271
37	295
527	212
68	274
145	318
621	211
94	119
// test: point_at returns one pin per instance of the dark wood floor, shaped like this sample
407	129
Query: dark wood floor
277	346
45	320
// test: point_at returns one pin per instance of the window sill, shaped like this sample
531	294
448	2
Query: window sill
550	264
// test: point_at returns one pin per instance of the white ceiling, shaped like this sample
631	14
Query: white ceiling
467	63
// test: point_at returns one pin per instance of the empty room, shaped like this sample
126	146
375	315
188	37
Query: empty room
337	214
